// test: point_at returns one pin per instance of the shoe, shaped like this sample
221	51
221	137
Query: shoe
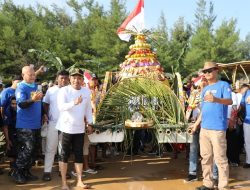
246	165
68	176
11	172
98	167
46	176
19	177
29	176
191	178
90	171
203	188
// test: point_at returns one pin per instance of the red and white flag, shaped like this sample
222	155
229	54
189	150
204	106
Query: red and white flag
198	80
87	77
134	22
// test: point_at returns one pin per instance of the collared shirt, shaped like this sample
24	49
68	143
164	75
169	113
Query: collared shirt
30	117
6	95
214	115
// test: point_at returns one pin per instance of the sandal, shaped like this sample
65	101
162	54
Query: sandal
85	186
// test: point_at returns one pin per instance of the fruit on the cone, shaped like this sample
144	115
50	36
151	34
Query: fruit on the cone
141	61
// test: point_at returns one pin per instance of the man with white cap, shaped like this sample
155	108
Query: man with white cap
213	118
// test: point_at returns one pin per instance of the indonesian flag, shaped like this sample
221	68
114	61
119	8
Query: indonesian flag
134	22
197	80
87	77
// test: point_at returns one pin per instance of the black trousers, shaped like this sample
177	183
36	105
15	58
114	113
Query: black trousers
68	141
26	143
234	145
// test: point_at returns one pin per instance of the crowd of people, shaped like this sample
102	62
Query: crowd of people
219	117
62	113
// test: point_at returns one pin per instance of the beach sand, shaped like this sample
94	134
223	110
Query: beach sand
142	172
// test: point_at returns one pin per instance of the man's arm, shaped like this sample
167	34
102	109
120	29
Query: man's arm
45	112
224	101
27	103
196	125
2	112
3	102
89	116
63	105
211	98
39	71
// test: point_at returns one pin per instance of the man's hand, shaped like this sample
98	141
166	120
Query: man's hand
40	70
45	118
9	144
193	128
36	96
210	97
89	130
78	100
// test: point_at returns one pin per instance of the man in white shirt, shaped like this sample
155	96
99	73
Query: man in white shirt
51	115
74	104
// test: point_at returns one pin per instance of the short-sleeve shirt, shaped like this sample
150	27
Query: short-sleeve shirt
6	96
246	102
214	115
51	99
232	107
11	116
30	117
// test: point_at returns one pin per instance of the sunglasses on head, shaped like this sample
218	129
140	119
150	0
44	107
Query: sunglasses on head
209	70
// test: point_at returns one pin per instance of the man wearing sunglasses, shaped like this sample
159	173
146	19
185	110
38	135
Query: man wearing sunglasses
213	118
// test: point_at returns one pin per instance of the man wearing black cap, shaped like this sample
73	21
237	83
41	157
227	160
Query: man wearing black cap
74	103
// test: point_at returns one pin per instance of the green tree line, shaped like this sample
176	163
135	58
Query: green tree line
88	38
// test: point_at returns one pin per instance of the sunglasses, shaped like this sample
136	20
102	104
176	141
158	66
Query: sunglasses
209	70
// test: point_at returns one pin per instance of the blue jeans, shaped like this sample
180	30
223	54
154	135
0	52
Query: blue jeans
215	172
194	153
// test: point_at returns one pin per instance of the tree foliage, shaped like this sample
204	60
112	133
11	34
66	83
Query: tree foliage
88	38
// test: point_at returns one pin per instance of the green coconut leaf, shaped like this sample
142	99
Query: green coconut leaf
116	104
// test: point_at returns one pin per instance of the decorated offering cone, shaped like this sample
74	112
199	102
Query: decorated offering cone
141	61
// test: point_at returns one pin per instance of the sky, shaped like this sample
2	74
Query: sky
173	9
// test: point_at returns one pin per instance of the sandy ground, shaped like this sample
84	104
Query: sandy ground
142	173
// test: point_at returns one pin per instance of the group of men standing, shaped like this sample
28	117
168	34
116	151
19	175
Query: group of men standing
66	109
214	124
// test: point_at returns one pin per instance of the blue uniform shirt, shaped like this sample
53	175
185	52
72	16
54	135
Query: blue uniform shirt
28	118
6	96
214	115
245	101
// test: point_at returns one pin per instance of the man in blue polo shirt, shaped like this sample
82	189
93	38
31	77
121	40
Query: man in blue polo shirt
245	102
213	118
28	123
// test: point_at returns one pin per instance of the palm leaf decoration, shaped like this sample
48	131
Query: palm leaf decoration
154	99
48	58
